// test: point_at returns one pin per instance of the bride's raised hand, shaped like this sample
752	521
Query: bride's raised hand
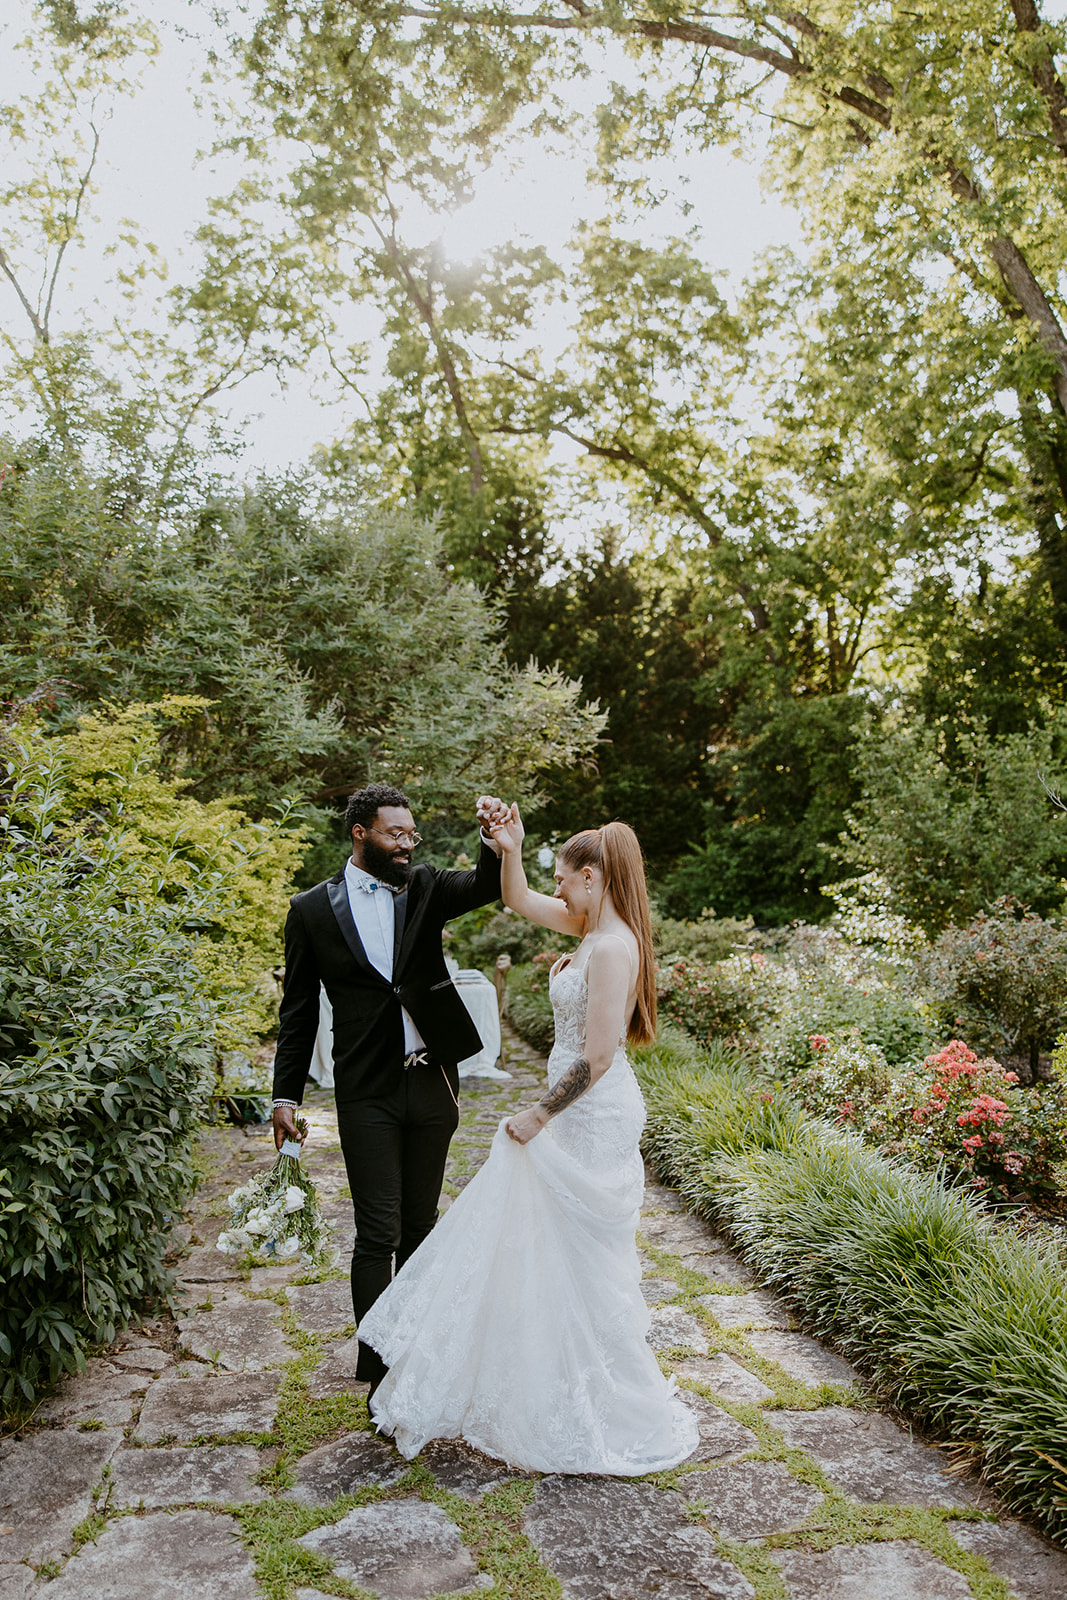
507	829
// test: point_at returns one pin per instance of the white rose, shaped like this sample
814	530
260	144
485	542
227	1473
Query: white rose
225	1243
257	1222
288	1247
294	1198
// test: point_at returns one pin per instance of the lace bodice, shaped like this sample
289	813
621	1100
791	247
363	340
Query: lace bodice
601	1129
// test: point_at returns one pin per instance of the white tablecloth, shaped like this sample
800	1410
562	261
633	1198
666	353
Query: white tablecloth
479	997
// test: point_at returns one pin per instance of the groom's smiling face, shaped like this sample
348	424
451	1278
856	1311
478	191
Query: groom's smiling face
383	847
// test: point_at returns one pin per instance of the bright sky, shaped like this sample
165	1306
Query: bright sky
148	173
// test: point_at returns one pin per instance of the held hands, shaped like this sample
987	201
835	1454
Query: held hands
507	829
489	810
526	1125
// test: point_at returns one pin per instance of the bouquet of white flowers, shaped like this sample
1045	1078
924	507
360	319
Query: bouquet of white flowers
277	1215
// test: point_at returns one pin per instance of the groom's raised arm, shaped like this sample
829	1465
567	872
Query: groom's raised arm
459	891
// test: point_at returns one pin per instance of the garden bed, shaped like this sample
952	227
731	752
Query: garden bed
958	1318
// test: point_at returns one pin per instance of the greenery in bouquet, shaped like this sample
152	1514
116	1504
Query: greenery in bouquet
276	1215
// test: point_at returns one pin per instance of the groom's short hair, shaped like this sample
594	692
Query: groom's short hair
363	806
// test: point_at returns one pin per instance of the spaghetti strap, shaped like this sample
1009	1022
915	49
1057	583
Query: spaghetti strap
621	940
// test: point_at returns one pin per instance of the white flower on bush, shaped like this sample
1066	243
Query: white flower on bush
294	1198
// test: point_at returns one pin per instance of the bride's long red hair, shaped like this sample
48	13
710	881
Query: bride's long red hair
615	851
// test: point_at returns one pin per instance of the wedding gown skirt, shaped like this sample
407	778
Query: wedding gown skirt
519	1325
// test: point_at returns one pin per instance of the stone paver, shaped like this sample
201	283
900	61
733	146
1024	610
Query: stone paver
192	1555
336	1373
868	1456
208	1265
358	1461
401	1550
606	1540
240	1335
657	1289
103	1393
898	1570
751	1499
464	1471
720	1434
46	1482
724	1376
674	1328
322	1307
17	1582
203	1404
756	1309
156	1478
1032	1568
802	1357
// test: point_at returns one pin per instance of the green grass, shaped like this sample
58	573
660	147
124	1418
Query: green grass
955	1315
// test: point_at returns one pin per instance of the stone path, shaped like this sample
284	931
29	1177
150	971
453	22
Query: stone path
226	1454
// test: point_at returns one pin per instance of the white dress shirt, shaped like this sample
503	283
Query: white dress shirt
374	914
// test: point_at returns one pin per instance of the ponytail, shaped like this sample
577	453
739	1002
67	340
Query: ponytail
615	851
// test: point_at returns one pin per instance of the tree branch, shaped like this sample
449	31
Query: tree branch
72	226
35	321
1043	74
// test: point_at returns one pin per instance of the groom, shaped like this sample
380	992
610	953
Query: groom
372	936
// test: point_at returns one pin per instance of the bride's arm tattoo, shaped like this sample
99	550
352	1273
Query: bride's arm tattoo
573	1084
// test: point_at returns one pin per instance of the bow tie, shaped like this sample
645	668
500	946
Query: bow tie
368	885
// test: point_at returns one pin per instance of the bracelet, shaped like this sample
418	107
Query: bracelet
276	1103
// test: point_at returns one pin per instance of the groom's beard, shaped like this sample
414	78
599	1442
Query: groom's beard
382	864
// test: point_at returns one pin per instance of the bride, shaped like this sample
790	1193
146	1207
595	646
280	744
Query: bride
518	1325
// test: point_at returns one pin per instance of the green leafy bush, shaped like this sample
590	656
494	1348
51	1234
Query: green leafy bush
960	1318
529	1009
1002	979
734	1000
106	1048
227	877
950	819
814	982
709	938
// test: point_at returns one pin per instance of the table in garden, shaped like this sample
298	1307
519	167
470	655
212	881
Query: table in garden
479	997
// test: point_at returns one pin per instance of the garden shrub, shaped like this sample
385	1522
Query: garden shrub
106	1049
529	1009
228	878
1002	979
709	938
733	1000
968	1117
964	1321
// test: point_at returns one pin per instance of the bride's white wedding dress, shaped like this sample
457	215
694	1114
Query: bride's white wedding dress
519	1325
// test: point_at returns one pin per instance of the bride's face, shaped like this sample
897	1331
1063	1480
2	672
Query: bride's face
573	887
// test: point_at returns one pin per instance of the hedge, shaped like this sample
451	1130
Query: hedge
106	1049
958	1317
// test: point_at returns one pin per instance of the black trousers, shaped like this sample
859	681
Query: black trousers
395	1148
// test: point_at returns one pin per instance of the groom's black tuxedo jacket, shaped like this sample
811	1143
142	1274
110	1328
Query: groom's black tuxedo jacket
321	943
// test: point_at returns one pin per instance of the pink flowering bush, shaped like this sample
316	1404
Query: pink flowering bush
952	1110
733	1000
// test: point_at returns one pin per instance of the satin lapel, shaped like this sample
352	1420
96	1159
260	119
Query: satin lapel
338	893
400	914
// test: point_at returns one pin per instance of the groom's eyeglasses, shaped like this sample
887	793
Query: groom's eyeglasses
398	836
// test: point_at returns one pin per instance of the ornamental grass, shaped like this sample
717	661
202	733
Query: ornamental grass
959	1318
